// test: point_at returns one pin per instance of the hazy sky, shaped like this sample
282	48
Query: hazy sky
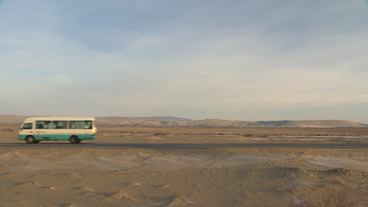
237	59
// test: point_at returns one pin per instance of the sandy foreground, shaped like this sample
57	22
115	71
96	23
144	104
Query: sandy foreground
177	177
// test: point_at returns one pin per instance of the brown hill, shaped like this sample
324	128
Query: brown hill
325	124
11	119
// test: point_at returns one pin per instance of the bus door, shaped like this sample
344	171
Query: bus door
42	130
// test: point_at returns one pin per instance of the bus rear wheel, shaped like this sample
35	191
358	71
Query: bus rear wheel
74	140
30	140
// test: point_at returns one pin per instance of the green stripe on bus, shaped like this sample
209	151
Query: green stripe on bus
56	137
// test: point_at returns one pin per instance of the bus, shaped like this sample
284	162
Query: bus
73	129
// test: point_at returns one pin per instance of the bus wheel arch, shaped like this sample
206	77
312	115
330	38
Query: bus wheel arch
74	139
30	139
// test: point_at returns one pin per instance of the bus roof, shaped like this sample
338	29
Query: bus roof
49	118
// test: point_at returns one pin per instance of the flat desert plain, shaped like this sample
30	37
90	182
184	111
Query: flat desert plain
187	177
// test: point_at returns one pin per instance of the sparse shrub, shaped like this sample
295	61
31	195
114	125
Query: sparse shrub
332	195
161	134
247	135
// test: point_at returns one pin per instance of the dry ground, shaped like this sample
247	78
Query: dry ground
181	177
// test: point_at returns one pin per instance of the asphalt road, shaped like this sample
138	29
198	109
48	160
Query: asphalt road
177	145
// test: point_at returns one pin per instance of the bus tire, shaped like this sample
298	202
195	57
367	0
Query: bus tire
30	140
74	139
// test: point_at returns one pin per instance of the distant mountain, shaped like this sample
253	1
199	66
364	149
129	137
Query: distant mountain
170	121
173	118
180	122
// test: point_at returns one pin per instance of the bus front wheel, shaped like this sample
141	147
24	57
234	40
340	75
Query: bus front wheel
30	140
74	140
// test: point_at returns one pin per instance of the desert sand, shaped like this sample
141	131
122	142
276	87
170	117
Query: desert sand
182	177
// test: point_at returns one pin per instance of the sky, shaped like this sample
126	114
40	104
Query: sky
244	60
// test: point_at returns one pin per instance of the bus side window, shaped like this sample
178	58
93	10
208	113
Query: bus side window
80	124
43	124
75	125
87	124
59	124
71	125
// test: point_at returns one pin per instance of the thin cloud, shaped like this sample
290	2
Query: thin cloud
204	59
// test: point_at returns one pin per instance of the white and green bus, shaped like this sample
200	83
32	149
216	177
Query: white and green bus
73	129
